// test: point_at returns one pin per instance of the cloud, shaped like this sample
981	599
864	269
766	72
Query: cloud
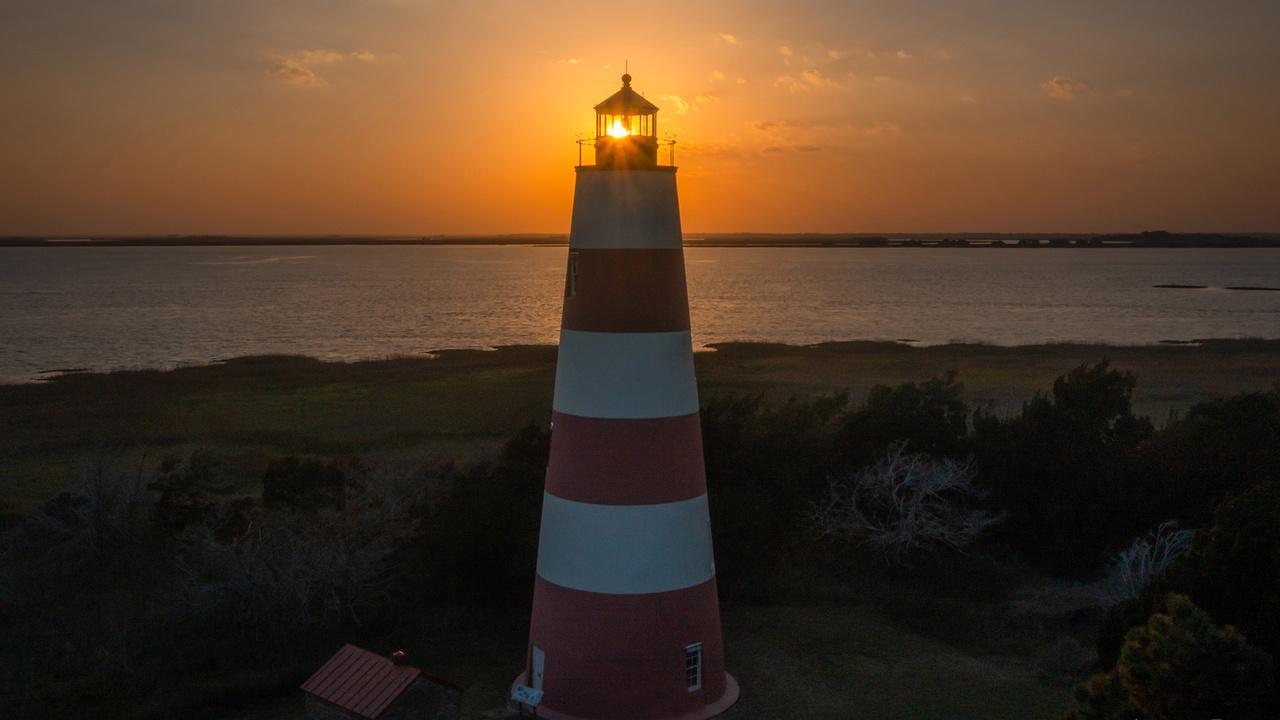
714	149
968	99
683	106
831	68
809	79
299	68
729	39
880	129
318	57
294	72
837	124
814	77
877	56
1064	88
832	135
716	76
779	149
680	105
768	126
571	61
790	84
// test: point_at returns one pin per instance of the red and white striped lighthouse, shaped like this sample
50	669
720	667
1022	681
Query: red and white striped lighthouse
626	622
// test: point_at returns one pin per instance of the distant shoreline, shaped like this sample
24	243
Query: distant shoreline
1153	239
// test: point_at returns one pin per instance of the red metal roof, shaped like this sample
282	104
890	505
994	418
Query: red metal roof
360	682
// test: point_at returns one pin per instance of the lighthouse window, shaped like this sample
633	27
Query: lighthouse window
572	287
693	666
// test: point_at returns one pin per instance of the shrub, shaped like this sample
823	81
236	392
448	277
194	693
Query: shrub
930	415
1118	621
1221	448
103	522
1063	470
186	491
1179	666
1232	571
904	506
480	544
302	484
291	572
1235	573
1145	558
763	462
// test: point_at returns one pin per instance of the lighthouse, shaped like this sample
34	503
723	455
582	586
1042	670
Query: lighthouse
626	622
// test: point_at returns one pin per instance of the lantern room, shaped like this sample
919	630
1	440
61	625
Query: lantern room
626	130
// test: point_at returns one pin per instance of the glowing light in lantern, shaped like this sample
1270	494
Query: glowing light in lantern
618	130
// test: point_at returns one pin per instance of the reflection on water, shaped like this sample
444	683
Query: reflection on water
129	307
251	260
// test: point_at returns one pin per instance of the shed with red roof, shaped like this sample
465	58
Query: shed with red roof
356	684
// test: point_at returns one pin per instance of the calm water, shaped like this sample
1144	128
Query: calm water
128	307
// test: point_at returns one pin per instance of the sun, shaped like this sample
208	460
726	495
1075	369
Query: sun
618	130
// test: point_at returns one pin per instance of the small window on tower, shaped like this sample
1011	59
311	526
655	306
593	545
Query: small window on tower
571	287
693	666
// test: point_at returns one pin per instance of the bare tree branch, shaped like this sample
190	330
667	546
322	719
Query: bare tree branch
903	506
1145	558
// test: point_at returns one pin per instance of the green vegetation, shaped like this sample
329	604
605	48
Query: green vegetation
464	404
1179	666
197	541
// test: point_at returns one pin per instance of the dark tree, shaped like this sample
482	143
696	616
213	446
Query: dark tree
1064	470
931	417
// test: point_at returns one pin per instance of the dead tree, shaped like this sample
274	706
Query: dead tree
905	505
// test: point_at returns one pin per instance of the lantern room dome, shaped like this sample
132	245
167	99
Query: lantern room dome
626	102
626	131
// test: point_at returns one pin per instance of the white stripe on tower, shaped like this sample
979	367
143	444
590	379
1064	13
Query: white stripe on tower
634	549
625	375
615	210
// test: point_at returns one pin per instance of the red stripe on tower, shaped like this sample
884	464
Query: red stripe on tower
612	462
626	622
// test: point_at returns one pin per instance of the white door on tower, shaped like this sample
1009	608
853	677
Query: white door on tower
539	663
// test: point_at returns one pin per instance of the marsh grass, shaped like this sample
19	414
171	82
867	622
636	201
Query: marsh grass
463	404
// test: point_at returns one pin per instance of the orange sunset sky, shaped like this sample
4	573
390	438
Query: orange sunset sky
396	116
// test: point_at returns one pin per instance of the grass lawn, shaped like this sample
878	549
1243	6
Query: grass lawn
840	661
804	660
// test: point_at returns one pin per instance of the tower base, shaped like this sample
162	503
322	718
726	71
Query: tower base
731	692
